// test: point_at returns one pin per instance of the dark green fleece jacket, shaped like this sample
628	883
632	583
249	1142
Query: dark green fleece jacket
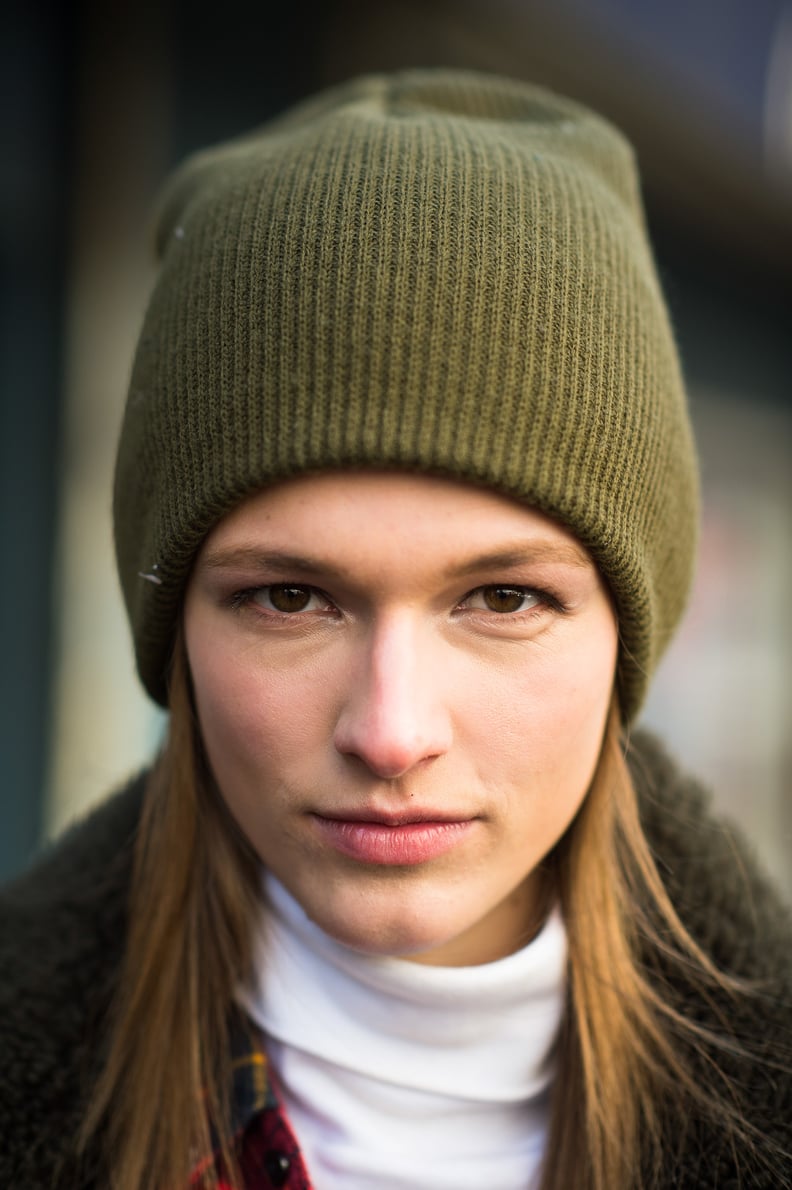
62	929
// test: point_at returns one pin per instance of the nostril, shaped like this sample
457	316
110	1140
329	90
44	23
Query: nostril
384	761
385	751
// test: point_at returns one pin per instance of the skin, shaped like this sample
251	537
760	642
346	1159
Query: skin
398	646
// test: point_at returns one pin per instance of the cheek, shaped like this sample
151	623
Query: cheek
573	706
553	694
255	728
541	727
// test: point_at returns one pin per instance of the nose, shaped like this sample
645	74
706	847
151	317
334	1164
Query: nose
395	715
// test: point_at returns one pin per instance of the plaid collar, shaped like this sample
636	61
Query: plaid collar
252	1091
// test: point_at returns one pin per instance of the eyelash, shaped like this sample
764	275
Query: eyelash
243	599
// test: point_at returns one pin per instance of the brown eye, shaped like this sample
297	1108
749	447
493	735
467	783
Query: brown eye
506	600
284	598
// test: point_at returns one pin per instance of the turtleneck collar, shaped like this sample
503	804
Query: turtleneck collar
387	1066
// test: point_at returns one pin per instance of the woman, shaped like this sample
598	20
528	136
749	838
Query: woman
405	514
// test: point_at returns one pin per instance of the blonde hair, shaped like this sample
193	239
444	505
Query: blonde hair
622	1043
163	1094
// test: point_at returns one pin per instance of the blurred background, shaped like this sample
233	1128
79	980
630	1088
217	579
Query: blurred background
100	100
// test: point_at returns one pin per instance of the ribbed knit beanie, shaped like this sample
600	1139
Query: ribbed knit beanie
437	271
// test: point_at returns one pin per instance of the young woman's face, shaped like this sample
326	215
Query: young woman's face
402	684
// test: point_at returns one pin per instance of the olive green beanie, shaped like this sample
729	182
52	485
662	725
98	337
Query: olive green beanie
434	270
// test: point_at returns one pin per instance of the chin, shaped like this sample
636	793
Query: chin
403	935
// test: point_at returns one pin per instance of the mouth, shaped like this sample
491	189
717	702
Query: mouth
397	839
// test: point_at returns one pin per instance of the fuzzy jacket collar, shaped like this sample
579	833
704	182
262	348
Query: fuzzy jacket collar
62	928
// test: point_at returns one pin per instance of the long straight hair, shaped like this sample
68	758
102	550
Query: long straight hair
623	1044
161	1103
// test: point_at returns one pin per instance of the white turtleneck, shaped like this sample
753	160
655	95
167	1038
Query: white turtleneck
405	1076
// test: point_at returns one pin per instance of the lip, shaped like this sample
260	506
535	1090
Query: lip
393	839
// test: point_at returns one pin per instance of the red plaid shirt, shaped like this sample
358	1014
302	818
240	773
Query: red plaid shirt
268	1153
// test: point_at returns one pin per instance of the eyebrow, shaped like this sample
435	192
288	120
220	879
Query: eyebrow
524	554
506	557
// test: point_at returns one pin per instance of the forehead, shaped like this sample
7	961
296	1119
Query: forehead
379	512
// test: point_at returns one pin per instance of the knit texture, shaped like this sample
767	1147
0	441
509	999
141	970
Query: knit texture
436	271
62	929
